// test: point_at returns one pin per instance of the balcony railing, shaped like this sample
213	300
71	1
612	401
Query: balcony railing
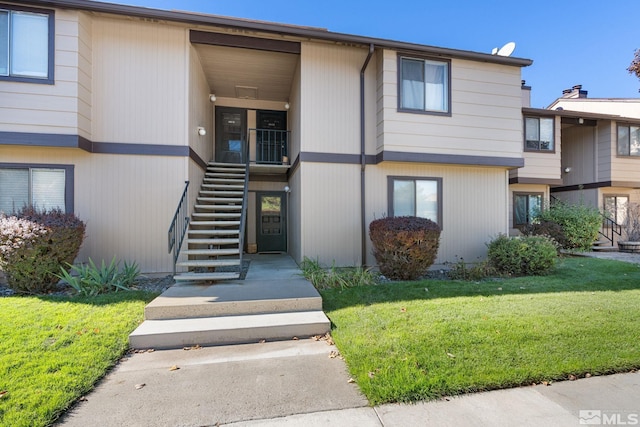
271	146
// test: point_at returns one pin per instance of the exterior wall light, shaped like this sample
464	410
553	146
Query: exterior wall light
212	97
567	169
287	105
202	131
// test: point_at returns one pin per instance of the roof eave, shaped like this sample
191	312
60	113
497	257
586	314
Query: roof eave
273	28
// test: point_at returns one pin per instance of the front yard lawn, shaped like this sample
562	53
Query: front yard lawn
53	349
422	340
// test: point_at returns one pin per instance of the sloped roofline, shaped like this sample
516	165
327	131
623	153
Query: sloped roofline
577	114
273	28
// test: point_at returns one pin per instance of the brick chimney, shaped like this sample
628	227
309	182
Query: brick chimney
575	92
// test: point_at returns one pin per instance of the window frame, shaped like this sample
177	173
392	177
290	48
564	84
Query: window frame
50	79
625	156
392	179
553	134
615	196
528	194
447	93
68	175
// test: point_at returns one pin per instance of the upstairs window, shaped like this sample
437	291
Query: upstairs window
26	45
421	197
538	134
525	207
628	140
424	85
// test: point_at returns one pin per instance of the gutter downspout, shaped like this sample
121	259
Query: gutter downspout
363	162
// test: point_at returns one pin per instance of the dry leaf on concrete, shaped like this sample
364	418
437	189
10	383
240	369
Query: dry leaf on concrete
351	381
174	368
139	386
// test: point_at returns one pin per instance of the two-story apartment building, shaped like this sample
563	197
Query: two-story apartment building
106	110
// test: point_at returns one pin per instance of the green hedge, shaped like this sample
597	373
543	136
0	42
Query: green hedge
523	255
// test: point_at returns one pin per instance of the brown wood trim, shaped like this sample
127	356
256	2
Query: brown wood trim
140	149
309	156
294	167
68	178
268	178
588	186
197	159
231	40
455	159
541	181
274	28
77	141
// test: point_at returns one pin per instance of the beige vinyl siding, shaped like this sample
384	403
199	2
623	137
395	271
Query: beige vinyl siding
127	202
474	205
295	216
525	188
85	73
330	98
541	164
57	108
623	168
606	150
330	209
578	151
293	119
200	109
486	118
139	82
588	197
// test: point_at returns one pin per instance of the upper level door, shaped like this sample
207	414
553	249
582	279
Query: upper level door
230	135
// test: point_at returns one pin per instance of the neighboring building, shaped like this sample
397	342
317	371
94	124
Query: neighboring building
106	110
600	140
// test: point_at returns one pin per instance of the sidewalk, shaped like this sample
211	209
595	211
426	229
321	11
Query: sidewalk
293	383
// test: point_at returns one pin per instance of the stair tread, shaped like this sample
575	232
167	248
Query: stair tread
223	241
231	165
221	193
214	223
205	276
209	263
223	186
217	214
222	180
210	252
245	321
219	207
220	199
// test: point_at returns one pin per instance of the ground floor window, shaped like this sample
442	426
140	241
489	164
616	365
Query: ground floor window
420	197
42	186
525	207
615	207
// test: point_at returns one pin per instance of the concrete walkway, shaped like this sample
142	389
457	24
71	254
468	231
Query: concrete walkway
306	383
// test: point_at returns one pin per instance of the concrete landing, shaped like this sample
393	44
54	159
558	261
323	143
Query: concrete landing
273	303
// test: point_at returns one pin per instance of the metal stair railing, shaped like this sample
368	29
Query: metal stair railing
178	227
243	212
271	145
609	228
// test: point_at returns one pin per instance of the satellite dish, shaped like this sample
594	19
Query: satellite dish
505	50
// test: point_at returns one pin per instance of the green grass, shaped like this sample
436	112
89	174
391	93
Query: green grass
53	350
423	340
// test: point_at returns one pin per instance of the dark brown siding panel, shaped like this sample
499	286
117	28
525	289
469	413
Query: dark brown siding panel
231	40
541	181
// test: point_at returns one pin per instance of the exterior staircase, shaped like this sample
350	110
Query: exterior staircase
215	232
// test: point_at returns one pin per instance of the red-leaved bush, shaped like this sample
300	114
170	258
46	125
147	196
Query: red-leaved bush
34	245
405	247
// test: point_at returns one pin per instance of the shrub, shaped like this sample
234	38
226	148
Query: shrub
460	270
335	277
404	247
92	280
580	223
35	244
549	229
523	255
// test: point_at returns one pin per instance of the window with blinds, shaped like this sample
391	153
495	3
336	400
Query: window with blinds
43	188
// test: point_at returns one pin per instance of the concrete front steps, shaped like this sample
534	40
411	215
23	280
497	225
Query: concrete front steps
274	303
603	246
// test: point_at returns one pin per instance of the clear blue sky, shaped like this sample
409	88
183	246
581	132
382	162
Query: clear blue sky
571	42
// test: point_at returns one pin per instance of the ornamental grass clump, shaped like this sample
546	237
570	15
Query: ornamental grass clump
404	247
35	244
